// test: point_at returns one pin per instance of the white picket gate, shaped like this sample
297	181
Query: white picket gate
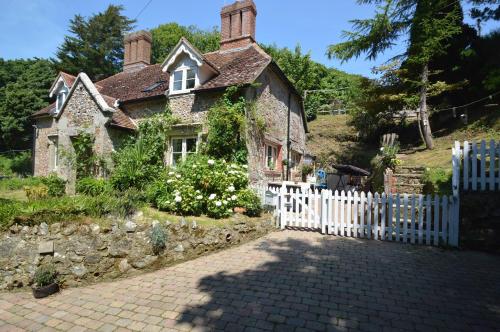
477	165
402	218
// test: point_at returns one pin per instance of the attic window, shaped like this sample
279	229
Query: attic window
184	79
153	86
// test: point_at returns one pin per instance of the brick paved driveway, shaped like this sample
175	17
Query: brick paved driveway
287	281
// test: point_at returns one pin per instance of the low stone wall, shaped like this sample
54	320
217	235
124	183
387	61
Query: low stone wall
89	252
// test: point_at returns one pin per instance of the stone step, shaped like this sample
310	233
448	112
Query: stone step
409	175
409	188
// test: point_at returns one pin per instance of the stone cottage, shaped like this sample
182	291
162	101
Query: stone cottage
189	82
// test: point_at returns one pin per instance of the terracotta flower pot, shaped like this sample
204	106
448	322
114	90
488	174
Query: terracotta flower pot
45	291
240	210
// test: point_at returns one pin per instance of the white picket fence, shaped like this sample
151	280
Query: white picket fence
477	165
402	218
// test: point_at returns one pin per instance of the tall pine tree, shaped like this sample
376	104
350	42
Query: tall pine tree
95	45
430	26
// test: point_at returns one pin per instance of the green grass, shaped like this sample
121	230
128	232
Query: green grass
334	141
152	214
18	183
483	126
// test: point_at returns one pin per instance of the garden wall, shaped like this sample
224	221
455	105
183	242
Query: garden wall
89	252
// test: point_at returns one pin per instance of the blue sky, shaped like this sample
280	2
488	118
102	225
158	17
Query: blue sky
34	28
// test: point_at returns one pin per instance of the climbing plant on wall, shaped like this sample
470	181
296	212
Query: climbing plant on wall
228	123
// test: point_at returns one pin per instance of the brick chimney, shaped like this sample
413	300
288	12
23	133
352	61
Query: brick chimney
238	24
137	50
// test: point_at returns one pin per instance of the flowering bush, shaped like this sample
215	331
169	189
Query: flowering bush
200	185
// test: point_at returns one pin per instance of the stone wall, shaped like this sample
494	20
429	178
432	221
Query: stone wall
480	221
272	97
192	108
45	127
91	252
141	110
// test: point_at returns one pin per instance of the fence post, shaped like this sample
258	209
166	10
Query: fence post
283	212
324	207
455	161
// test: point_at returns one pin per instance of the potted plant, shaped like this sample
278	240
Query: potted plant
45	281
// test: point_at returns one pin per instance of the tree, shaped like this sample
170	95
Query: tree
95	45
325	86
166	36
430	26
23	91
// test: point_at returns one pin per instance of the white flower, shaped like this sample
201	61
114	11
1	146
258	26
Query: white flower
199	197
171	173
218	203
211	197
230	189
233	198
197	191
178	176
170	181
178	199
244	166
382	149
224	201
211	161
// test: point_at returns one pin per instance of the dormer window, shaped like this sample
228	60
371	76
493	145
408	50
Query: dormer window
61	97
187	67
184	79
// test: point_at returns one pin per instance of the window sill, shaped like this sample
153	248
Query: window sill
180	92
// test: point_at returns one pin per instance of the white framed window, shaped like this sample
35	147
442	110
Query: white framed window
182	147
54	153
61	97
296	158
271	156
184	79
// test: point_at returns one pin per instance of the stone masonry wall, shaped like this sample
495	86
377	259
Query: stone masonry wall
92	252
45	127
272	105
192	108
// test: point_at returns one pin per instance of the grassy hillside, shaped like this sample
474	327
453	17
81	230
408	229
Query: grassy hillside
484	126
334	141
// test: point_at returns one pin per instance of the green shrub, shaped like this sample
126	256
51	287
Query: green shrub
56	186
437	181
199	185
249	200
16	163
36	192
45	275
158	239
92	186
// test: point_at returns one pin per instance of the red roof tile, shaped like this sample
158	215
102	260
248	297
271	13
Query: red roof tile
121	120
68	78
239	66
44	111
127	86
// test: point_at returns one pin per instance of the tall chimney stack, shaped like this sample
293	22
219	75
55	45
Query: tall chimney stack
238	24
137	50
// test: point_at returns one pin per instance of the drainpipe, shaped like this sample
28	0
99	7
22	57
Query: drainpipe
288	143
33	147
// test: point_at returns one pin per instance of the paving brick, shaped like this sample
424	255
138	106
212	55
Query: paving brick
286	281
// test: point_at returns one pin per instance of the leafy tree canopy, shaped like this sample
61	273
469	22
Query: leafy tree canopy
95	45
166	36
23	91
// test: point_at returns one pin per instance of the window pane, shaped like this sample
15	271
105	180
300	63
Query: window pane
178	80
177	145
176	158
190	145
190	74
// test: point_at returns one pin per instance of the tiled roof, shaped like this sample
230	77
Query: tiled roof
127	86
44	111
238	66
68	78
121	120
